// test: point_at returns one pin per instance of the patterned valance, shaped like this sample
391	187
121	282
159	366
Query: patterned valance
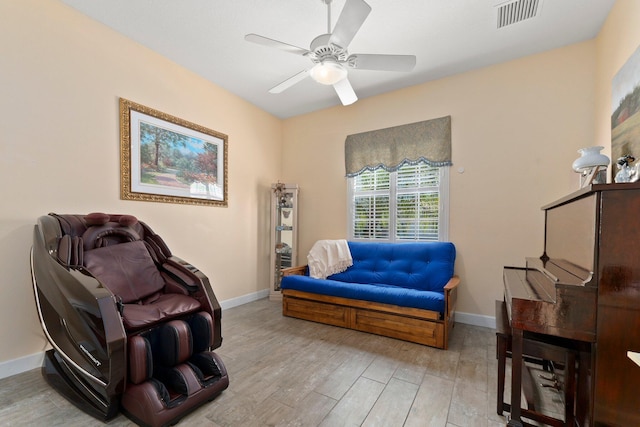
428	141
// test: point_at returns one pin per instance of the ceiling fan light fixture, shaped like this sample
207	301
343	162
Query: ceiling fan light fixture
328	72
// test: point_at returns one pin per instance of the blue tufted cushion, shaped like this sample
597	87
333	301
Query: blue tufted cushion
422	265
388	294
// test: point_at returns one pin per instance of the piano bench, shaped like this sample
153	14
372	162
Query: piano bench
535	350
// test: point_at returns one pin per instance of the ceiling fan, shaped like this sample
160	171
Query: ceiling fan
328	52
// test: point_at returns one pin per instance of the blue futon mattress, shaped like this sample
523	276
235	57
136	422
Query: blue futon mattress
388	294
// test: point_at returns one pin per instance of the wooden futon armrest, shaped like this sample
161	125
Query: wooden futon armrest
293	271
452	283
450	297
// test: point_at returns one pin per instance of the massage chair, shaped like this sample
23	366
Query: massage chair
132	327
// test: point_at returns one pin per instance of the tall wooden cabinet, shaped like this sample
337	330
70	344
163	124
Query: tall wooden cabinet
284	233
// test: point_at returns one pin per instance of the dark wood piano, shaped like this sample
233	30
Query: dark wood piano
585	292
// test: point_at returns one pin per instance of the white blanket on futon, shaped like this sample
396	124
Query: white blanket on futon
328	257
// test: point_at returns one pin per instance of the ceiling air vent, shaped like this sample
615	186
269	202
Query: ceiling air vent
516	11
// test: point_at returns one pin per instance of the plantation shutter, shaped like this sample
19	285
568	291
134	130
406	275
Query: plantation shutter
417	202
426	142
371	205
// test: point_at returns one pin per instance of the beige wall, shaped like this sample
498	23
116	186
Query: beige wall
61	75
515	128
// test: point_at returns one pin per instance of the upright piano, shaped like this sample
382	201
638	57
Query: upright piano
585	290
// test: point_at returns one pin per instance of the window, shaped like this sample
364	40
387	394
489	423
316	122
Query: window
408	204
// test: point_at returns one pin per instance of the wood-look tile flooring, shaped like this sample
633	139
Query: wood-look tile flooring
290	372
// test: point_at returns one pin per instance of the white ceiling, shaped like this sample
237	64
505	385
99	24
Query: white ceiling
447	37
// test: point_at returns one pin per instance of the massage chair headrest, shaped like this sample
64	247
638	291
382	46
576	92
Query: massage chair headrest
104	230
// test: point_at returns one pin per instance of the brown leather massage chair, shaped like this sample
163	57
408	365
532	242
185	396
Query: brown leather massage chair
132	327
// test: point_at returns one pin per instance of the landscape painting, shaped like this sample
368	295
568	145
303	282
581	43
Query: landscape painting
166	159
625	111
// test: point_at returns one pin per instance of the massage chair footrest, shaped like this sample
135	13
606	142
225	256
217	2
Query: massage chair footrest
181	389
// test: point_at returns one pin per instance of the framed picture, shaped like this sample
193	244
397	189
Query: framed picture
625	112
167	159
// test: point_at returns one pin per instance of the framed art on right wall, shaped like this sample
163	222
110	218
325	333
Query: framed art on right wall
625	111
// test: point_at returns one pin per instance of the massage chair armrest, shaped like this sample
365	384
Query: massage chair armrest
197	286
300	270
184	274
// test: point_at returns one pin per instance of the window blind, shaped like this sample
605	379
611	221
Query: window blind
371	205
397	206
417	202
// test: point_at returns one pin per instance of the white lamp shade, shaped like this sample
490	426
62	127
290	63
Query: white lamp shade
590	157
328	72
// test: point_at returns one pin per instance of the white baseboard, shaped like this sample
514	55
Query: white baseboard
244	299
21	364
34	361
476	320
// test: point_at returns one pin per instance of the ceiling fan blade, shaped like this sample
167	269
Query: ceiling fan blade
349	22
289	82
382	62
345	92
265	41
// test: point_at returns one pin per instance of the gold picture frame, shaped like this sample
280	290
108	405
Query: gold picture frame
170	160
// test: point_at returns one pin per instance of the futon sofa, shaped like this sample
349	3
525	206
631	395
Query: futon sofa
400	290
